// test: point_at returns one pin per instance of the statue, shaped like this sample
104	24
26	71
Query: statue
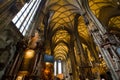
7	47
116	63
33	41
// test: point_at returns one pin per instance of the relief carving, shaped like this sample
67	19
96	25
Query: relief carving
7	47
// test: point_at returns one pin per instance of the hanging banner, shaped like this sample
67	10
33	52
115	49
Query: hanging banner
48	58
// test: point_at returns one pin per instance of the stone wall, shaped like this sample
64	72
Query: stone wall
9	37
8	34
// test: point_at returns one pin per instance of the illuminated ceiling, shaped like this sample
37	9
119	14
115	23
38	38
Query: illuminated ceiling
61	25
108	12
62	20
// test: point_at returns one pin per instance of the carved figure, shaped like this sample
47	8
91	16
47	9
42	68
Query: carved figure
116	63
7	47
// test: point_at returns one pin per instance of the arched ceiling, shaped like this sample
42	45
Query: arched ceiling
63	13
61	21
96	5
82	29
61	25
108	12
61	35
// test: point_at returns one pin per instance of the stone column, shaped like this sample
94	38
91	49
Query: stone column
73	60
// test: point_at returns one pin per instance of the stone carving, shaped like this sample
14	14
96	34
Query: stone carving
7	47
33	41
116	63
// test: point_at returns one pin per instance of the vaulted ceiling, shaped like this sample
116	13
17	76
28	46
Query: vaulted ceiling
61	14
108	12
61	25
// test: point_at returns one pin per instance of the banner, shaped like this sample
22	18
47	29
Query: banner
48	58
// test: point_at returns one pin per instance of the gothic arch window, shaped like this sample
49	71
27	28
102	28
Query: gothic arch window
24	17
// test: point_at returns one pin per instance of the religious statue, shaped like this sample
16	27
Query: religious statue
7	47
116	63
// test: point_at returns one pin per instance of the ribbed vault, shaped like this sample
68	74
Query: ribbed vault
61	16
61	25
107	11
60	21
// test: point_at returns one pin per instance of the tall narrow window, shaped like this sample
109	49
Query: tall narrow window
59	67
55	68
24	17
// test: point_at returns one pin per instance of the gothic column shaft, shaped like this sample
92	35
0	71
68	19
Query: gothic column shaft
106	55
73	60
